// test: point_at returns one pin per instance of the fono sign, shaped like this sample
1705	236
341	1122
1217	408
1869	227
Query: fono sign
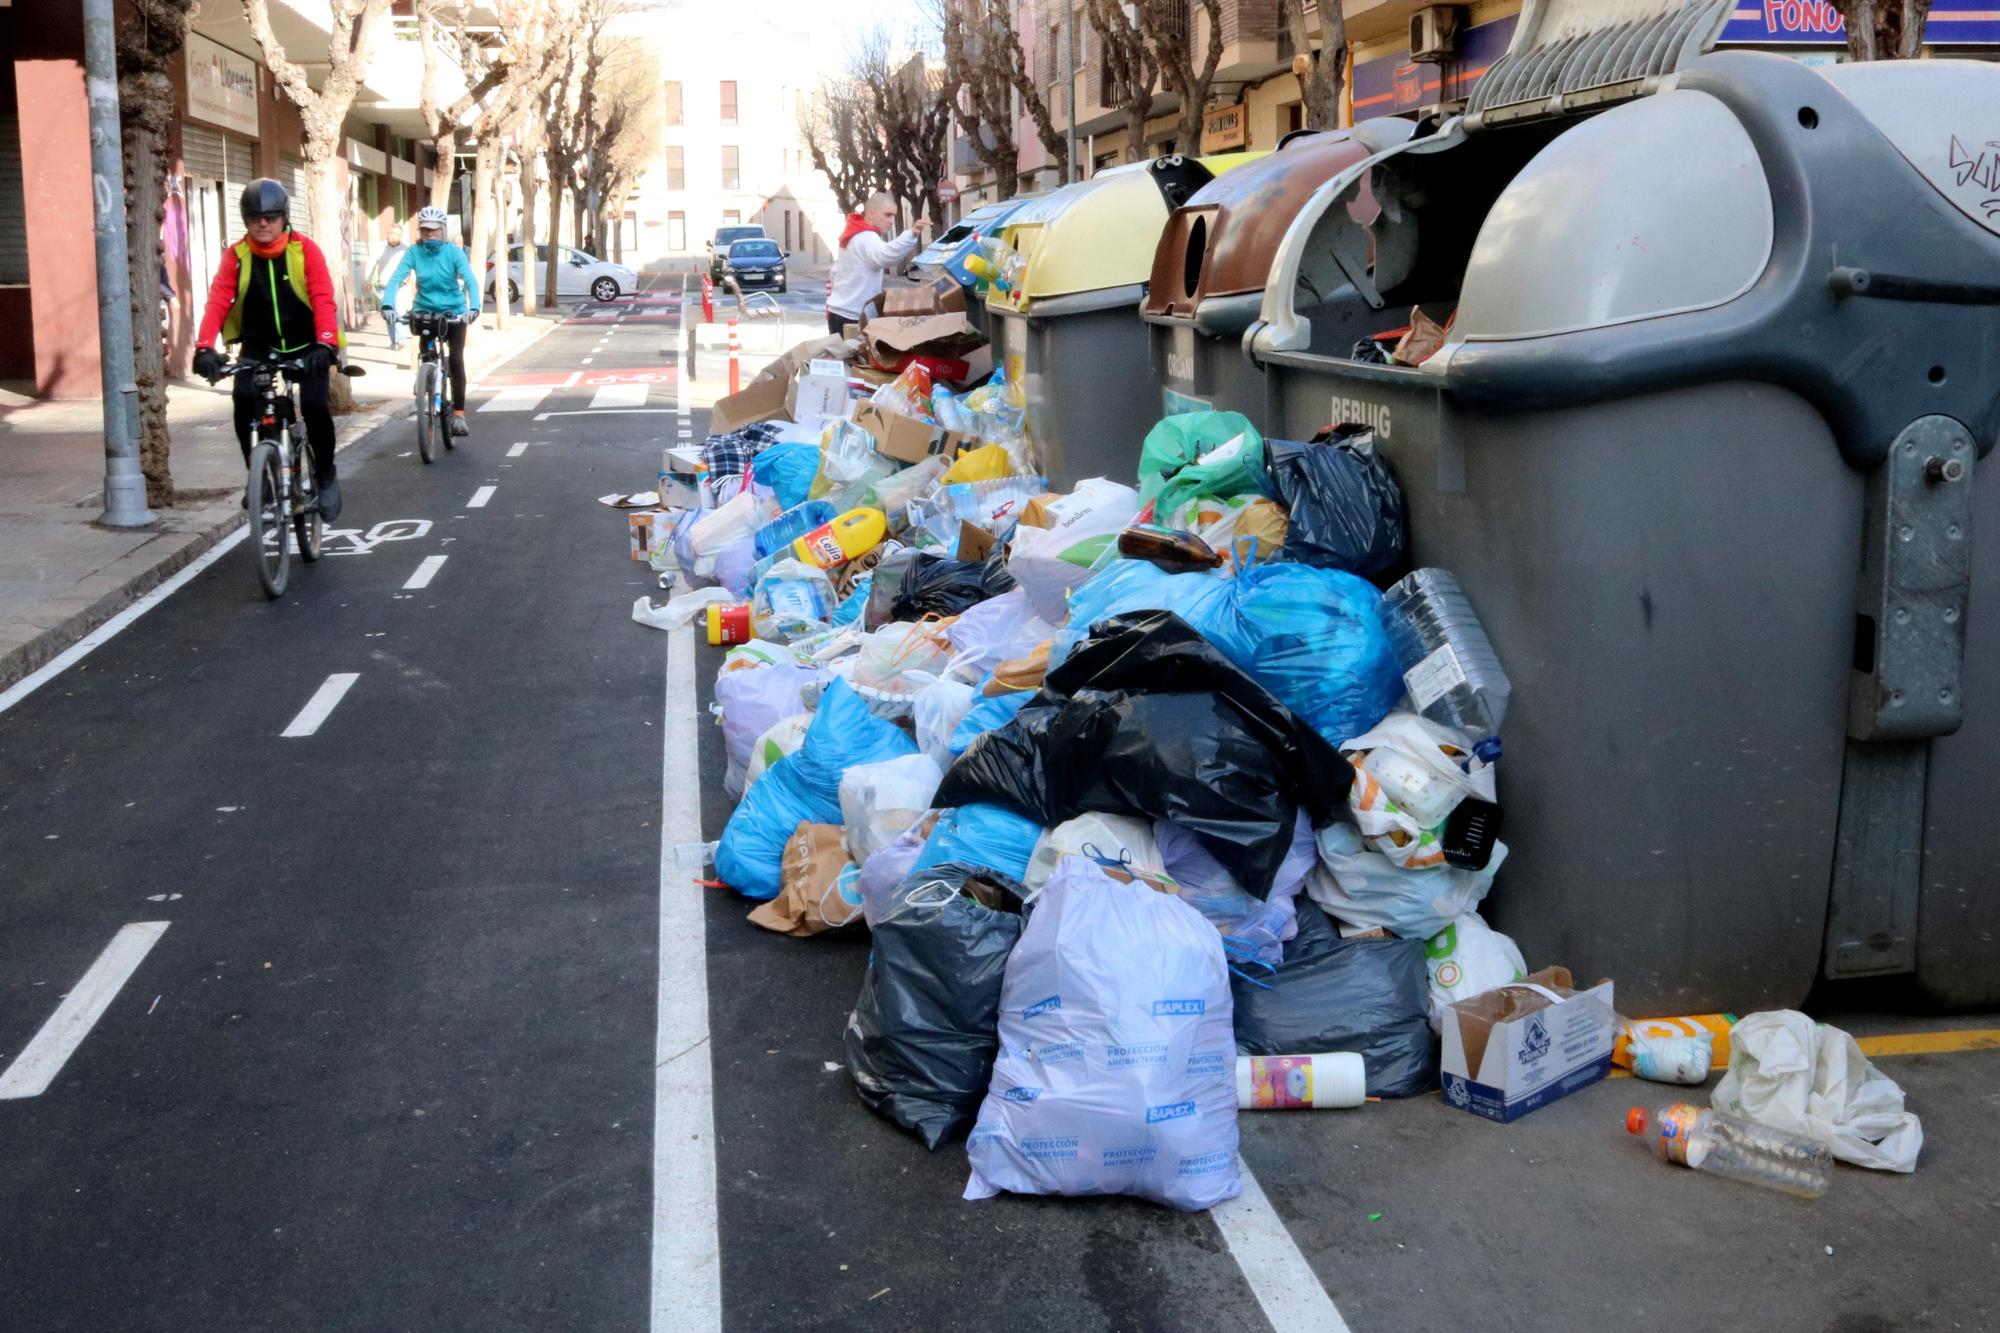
1818	23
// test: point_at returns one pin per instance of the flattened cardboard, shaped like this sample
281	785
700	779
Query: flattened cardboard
905	439
769	394
1512	1049
974	543
939	297
906	333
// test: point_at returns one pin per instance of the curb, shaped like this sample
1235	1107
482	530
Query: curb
25	659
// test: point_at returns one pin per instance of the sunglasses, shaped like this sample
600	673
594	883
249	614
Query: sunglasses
267	217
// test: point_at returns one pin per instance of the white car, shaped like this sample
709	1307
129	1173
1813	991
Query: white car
577	274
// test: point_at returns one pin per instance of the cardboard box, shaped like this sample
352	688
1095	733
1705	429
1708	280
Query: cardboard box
820	392
649	528
974	543
905	439
1035	513
1523	1045
940	296
769	394
888	337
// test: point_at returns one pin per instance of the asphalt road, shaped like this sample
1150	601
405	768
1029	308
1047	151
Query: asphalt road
394	1062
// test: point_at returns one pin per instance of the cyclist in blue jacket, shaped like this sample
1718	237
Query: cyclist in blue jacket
445	286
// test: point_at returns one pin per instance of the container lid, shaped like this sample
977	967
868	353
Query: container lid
1573	55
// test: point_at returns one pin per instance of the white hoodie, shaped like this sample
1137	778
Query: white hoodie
863	262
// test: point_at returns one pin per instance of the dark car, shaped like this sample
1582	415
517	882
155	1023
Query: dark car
756	263
718	246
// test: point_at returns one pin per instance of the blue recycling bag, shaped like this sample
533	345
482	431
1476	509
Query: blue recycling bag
788	469
986	714
982	835
803	788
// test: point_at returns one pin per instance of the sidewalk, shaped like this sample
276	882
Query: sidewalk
61	575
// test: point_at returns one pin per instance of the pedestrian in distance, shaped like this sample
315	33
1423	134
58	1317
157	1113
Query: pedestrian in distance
445	286
297	320
867	257
386	263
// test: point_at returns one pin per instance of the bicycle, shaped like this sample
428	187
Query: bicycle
282	491
433	379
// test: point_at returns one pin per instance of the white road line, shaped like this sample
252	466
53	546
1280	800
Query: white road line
85	646
480	497
516	400
324	699
1279	1276
687	1259
586	361
574	376
516	450
38	1064
426	571
617	396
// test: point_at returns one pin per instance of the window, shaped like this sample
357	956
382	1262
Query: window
729	101
674	102
731	215
788	229
677	232
732	174
676	167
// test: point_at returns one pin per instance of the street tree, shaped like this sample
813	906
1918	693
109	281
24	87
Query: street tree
150	39
629	133
529	139
1169	29
531	33
1321	70
908	114
482	75
355	26
841	142
985	68
1884	29
1131	69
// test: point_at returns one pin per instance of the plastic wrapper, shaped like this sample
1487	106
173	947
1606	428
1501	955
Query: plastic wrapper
921	1039
935	586
1116	1072
982	835
1344	504
1200	453
1368	996
791	602
802	788
901	657
730	523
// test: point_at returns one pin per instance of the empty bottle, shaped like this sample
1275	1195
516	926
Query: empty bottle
989	262
1170	549
791	525
1449	666
854	533
1727	1145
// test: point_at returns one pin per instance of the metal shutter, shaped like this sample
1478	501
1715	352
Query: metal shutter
241	166
204	152
292	175
13	206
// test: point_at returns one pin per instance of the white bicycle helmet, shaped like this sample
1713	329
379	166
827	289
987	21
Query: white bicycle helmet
430	215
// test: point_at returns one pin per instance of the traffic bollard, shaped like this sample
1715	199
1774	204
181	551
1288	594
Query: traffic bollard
735	360
707	299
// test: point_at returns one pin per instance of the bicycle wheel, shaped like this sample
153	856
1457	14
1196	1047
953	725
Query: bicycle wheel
444	415
426	407
307	524
269	544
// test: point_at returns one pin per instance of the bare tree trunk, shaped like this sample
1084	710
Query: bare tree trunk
1321	73
323	185
500	201
529	153
1884	29
549	288
447	155
145	205
483	159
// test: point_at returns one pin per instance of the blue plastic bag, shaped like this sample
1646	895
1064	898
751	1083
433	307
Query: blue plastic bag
1125	586
850	609
803	788
991	836
787	469
986	714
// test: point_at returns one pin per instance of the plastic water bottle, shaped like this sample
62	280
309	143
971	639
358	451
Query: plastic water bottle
1727	1145
791	525
989	263
945	407
1449	666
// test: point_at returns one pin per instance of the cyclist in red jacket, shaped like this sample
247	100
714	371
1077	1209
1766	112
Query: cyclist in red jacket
273	294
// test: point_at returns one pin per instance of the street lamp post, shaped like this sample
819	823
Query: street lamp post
124	483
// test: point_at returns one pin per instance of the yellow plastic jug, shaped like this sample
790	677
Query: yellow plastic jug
854	533
987	463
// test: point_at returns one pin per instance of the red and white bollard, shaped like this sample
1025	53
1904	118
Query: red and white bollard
735	360
707	299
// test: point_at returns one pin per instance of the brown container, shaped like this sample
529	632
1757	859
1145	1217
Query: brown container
1221	242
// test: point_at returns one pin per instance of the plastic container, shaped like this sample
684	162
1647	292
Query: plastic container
1449	666
1735	1148
854	533
1419	791
729	624
1300	1082
791	525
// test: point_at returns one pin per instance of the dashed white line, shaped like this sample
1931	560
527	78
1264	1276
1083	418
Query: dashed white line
516	400
587	360
427	570
516	450
324	699
38	1064
1279	1276
618	395
480	497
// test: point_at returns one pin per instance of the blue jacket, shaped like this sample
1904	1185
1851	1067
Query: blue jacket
440	272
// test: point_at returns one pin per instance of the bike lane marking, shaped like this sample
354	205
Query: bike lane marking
619	395
687	1249
516	450
427	570
44	1057
480	497
331	691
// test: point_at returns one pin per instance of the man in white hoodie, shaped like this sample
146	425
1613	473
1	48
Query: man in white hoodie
866	259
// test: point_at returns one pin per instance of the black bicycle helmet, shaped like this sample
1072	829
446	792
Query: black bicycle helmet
264	196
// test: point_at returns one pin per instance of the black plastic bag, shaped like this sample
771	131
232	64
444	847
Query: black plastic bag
1368	996
1147	718
936	585
1346	506
921	1041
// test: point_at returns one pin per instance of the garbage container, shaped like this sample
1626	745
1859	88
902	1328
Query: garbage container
1209	269
948	251
1070	330
1703	448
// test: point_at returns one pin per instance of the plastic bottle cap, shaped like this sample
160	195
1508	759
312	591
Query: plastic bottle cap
1635	1120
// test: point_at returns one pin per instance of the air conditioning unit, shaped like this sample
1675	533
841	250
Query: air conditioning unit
1434	32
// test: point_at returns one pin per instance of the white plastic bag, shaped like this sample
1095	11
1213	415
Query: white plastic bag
751	703
1119	838
1422	753
1083	526
1362	888
890	654
1468	958
1791	1073
1251	927
938	709
781	740
887	868
879	801
995	630
793	601
681	609
739	518
1117	1065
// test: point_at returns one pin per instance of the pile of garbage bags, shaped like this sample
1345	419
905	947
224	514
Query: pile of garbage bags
1125	783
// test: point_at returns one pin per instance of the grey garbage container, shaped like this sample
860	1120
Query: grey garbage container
1703	447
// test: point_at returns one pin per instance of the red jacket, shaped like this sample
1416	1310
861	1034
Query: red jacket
231	277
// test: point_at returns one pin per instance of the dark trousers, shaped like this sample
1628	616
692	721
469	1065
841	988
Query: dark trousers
835	323
311	390
455	339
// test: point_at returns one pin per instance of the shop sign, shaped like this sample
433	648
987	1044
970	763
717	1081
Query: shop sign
1225	127
1818	23
221	86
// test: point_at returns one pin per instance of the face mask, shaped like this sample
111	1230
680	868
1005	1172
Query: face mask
430	243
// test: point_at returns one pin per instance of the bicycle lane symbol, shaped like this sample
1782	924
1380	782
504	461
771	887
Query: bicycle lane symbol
353	541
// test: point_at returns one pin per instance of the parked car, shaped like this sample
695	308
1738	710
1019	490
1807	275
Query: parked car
577	274
756	263
718	245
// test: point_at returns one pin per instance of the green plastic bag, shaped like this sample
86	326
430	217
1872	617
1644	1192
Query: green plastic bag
1171	466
